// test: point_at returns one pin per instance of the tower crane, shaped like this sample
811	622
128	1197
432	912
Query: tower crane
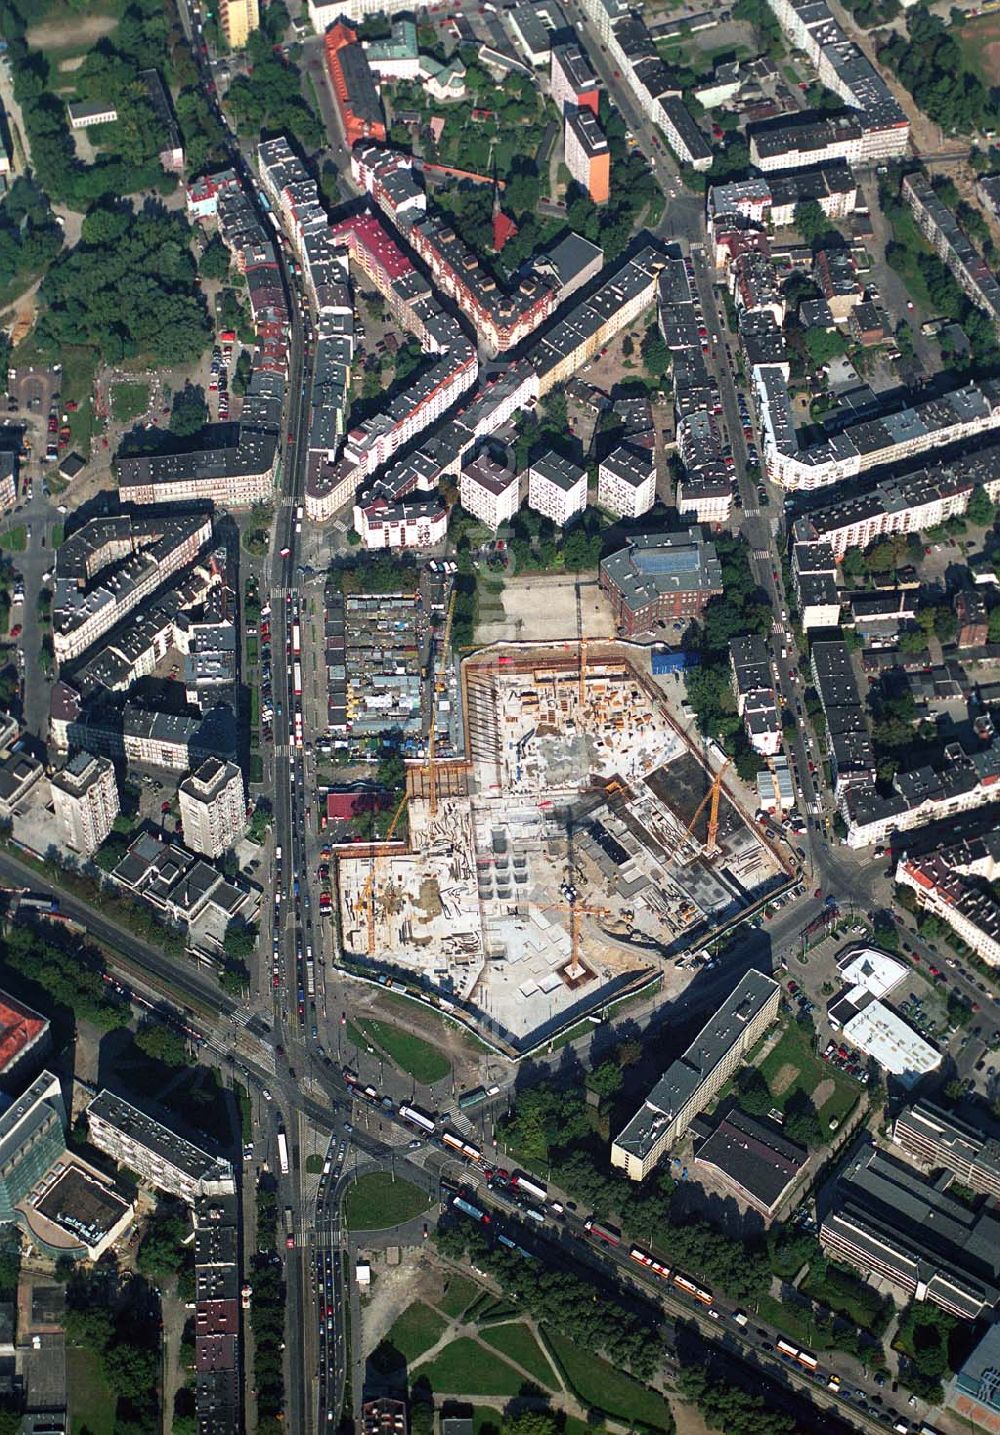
368	891
712	795
438	686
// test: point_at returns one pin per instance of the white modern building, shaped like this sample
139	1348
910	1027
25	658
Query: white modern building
158	1156
213	805
626	481
85	801
489	491
557	488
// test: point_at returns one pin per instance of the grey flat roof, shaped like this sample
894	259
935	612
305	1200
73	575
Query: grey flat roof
684	1076
135	1124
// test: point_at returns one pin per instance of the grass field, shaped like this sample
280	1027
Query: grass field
410	1053
91	1403
15	540
794	1053
128	401
599	1384
517	1341
376	1201
416	1330
405	1004
979	39
57	535
459	1294
466	1369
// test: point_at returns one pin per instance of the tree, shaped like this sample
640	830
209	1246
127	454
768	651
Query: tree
753	1092
981	510
854	565
240	939
655	354
189	414
801	1122
810	221
163	1044
215	262
629	1053
824	345
607	1080
531	1422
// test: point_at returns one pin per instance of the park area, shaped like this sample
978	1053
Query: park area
792	1067
378	1200
462	1342
412	1054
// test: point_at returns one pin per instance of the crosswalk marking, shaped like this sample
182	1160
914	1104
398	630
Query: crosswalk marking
762	554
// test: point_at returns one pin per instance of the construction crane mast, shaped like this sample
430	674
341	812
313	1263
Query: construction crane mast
712	796
368	894
438	687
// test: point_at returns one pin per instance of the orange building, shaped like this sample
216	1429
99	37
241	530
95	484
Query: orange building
353	87
588	155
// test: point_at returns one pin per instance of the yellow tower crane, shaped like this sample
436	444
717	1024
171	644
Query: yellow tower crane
713	795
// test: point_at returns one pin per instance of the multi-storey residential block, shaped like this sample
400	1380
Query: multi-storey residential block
756	699
410	523
32	1140
237	19
952	883
683	135
587	153
851	754
814	574
157	549
85	800
213	805
626	481
577	337
690	1083
660	578
953	245
557	488
157	1155
489	491
572	83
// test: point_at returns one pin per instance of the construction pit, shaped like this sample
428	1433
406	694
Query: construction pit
567	856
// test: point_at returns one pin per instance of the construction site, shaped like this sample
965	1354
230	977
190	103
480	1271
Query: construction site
584	840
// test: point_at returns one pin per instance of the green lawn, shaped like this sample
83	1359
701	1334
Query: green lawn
517	1341
376	1201
410	1053
91	1403
795	1050
15	540
465	1368
458	1295
253	650
599	1384
128	401
416	1330
79	366
57	535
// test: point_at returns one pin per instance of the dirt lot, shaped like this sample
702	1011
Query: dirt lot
72	32
542	608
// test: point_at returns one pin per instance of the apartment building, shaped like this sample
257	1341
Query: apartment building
218	1389
756	699
557	488
953	246
893	1226
626	481
660	578
410	523
691	1082
236	472
587	153
814	578
910	503
575	338
572	83
489	491
682	133
939	1141
32	1140
83	611
238	18
924	794
890	438
952	884
85	801
213	804
157	1155
705	496
852	757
